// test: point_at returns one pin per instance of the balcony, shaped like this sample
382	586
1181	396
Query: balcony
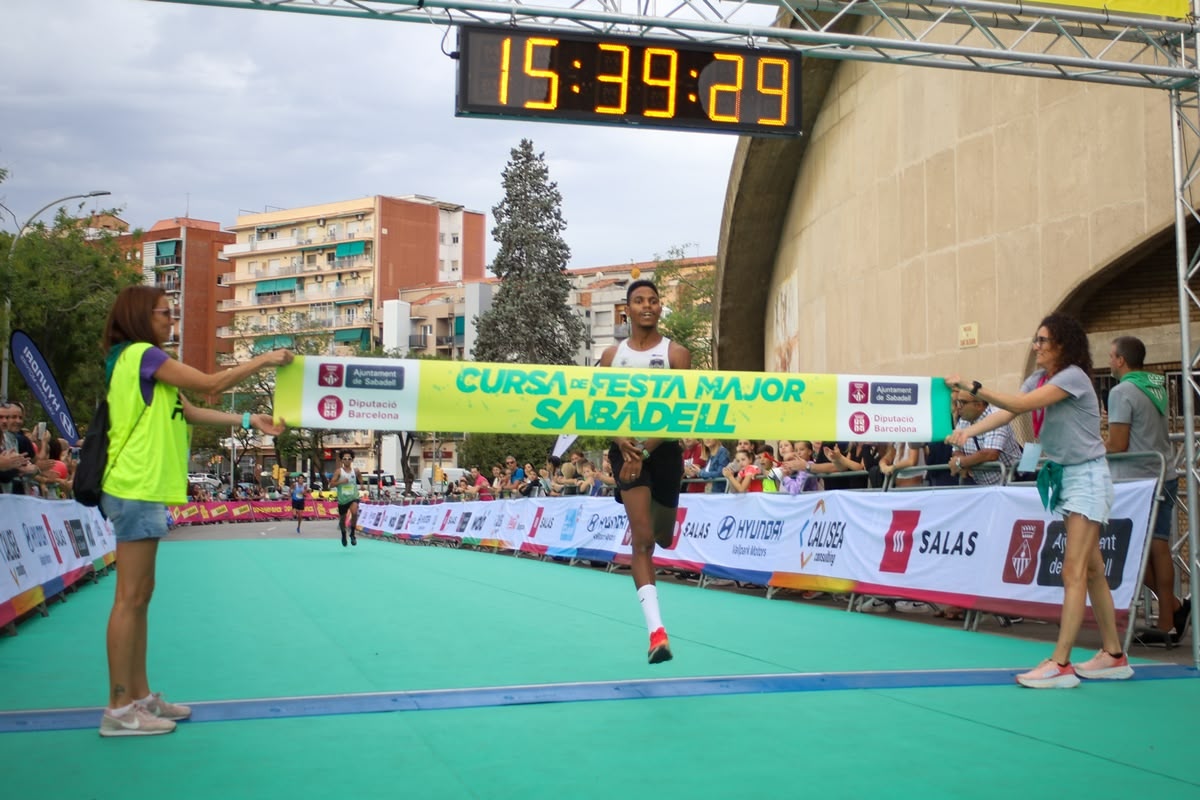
311	323
621	331
326	270
168	262
418	341
445	341
256	245
319	293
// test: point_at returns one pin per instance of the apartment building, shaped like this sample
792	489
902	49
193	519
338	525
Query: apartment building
326	268
437	321
180	255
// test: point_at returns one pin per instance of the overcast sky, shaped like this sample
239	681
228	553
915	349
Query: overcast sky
215	112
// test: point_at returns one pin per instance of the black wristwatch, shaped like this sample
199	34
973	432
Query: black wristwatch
975	387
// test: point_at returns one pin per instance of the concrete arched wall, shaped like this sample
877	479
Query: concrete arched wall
926	199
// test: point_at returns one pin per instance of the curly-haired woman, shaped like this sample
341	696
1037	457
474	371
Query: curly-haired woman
1074	482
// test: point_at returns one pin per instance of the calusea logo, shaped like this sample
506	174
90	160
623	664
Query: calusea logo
821	538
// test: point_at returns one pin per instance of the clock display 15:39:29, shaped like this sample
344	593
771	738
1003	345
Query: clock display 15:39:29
627	79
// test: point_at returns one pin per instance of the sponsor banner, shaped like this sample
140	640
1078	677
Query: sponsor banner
984	547
405	394
553	526
750	533
1177	9
45	546
41	381
248	511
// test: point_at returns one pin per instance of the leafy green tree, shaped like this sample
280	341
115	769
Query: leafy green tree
62	286
529	321
688	292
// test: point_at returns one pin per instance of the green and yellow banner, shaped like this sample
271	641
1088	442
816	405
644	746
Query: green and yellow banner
1176	9
420	395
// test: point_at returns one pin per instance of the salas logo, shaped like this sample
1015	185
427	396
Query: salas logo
821	538
537	521
1023	546
948	543
898	541
689	530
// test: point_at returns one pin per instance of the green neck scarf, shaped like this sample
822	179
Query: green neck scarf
1153	384
110	361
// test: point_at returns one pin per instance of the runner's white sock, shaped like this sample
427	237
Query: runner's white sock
648	597
145	701
122	711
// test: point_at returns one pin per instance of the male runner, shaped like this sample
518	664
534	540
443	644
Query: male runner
298	490
648	472
345	479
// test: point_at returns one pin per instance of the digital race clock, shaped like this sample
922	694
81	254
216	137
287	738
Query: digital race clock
624	80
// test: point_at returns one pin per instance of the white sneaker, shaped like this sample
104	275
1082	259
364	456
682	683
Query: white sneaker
913	607
137	721
874	605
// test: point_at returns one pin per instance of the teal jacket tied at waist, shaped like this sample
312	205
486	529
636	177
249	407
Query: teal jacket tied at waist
1049	483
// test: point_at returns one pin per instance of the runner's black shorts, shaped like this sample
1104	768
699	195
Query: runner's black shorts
297	505
662	472
342	509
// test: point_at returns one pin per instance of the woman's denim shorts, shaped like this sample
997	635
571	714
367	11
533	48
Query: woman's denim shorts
134	520
1087	490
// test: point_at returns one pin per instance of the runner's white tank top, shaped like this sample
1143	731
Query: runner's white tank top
654	358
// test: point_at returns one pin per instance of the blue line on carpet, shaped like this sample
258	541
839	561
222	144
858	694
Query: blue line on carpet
493	696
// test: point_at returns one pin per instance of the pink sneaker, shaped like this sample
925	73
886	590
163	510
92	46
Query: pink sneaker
137	721
1103	666
1049	675
164	710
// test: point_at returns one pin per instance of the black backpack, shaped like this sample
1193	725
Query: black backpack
93	458
93	455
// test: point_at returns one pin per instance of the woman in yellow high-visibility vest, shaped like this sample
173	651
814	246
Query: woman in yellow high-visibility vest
146	471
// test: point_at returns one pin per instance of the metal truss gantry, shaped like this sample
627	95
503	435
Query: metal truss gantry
1075	44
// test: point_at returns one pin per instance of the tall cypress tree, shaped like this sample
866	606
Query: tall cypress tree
530	321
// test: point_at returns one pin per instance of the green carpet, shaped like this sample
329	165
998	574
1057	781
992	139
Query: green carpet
278	618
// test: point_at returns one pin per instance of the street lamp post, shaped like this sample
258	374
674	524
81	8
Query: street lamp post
7	300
